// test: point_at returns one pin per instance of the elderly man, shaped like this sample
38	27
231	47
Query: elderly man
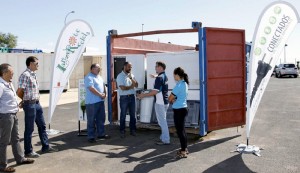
9	120
94	101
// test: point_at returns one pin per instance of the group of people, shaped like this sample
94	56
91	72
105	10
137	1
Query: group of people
126	84
28	92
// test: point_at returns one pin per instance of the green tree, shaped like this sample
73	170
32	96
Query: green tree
8	40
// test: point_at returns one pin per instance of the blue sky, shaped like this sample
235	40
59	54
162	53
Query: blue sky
38	23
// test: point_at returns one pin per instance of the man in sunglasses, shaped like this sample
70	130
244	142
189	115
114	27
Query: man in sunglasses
28	91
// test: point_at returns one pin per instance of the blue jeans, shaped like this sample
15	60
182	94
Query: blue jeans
95	118
127	102
34	113
161	115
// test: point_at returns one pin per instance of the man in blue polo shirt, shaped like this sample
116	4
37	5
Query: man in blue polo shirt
160	92
126	84
94	101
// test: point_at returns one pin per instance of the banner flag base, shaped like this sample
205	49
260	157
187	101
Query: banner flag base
248	149
52	132
81	131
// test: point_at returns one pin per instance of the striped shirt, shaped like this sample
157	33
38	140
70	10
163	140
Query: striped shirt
8	98
28	81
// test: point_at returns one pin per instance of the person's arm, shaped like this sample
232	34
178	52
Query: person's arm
172	98
153	75
133	80
134	83
104	91
126	87
157	85
89	84
20	93
97	93
1	91
151	93
23	80
121	84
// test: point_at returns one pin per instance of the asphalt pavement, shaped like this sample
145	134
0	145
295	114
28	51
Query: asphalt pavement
276	129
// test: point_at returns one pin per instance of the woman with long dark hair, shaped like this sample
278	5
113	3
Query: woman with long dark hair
179	99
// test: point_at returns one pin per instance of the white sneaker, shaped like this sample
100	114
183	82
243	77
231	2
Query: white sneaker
32	155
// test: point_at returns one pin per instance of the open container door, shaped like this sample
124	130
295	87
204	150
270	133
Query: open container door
226	77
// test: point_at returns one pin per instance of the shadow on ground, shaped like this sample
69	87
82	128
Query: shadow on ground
140	149
234	164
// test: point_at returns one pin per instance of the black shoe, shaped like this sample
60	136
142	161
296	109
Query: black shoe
50	150
162	143
104	137
92	140
157	140
132	133
122	135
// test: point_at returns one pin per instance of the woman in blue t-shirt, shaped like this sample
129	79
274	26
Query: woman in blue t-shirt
179	99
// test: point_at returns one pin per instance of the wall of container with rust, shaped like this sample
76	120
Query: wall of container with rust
226	86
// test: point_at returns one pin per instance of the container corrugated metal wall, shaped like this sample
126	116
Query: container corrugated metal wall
225	58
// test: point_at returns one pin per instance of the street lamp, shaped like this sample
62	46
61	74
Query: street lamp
142	30
68	15
285	53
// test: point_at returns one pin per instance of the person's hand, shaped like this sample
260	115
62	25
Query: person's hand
21	104
139	96
133	83
130	76
172	101
153	75
102	95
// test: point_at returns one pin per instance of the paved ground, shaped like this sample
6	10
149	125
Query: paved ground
276	128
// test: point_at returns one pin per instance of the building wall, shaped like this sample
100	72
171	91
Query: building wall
17	60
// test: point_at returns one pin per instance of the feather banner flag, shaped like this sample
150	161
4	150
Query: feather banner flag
69	48
274	26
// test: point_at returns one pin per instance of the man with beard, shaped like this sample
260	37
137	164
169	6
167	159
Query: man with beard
126	84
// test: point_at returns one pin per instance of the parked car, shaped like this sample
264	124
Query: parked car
286	70
274	71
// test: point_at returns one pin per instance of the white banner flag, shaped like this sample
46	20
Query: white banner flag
275	24
69	48
81	101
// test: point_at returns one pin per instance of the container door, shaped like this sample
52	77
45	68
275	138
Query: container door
226	86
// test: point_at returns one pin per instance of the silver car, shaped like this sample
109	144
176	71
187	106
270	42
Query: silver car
286	70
